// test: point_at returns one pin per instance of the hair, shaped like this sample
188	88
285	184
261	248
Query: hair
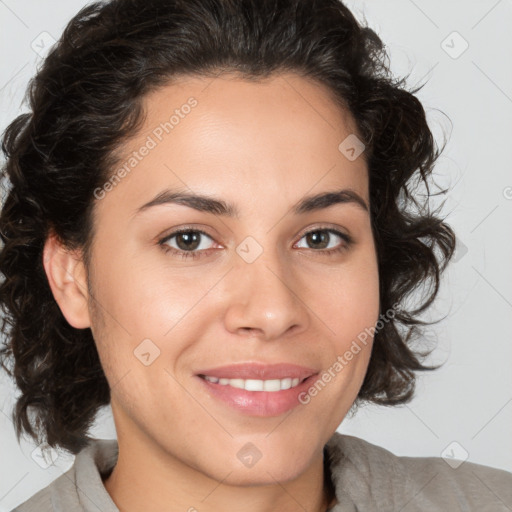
86	99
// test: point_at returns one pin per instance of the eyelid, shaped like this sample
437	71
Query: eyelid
300	235
185	229
324	227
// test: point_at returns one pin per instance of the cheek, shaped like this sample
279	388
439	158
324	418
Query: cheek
146	319
348	300
349	308
143	298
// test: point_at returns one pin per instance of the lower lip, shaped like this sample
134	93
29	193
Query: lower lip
259	403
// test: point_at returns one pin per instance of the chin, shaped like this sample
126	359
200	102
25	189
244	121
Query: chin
265	471
264	475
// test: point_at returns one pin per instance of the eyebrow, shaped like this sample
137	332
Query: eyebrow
220	207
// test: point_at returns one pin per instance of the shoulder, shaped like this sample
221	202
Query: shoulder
61	490
375	478
81	486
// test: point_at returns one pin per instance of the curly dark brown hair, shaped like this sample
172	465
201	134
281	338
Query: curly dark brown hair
86	99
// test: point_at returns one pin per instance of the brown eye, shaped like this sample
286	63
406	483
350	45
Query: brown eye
187	242
327	240
318	239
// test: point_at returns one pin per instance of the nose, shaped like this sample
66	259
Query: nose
265	299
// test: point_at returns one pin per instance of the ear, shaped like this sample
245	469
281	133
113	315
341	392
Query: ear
67	277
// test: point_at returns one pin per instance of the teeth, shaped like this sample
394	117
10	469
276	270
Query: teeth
256	385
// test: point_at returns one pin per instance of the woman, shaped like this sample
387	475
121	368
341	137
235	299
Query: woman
211	227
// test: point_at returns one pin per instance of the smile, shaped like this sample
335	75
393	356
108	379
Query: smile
254	384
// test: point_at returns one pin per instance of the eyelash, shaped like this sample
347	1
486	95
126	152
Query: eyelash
198	254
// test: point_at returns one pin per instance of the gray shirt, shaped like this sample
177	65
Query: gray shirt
366	478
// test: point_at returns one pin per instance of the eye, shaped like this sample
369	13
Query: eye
327	240
194	243
187	243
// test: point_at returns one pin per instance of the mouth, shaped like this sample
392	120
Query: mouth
258	371
270	385
257	389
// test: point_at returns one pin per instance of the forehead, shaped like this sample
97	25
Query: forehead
275	140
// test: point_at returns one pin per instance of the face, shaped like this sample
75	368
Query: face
254	279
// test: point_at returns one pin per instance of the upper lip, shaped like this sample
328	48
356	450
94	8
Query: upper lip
259	371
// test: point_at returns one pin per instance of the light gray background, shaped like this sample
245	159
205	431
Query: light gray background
463	410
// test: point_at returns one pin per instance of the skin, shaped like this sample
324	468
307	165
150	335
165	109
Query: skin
263	147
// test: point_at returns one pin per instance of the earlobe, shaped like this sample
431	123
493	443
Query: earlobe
67	278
